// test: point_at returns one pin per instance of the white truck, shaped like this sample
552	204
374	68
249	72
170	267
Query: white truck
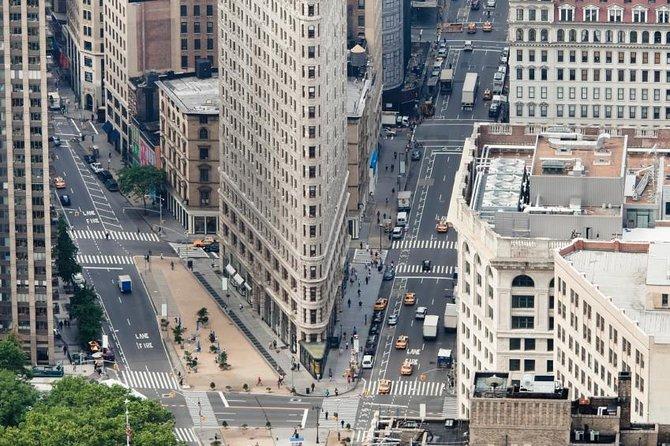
451	317
430	327
404	200
469	90
392	119
54	100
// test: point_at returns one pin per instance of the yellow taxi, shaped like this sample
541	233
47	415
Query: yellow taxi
488	95
59	182
380	304
409	299
407	368
442	226
472	28
384	387
401	342
201	243
487	27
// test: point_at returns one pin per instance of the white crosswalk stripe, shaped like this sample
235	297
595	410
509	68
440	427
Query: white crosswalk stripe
418	269
186	434
423	244
200	409
345	408
409	387
114	235
86	259
139	379
450	407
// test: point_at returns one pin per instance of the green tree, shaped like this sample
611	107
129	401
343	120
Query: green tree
203	316
12	356
140	181
16	397
79	412
222	359
65	253
85	308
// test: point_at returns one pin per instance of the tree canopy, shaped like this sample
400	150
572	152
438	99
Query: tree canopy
140	181
65	253
79	412
85	308
16	396
12	356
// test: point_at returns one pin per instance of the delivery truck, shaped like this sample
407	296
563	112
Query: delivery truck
450	317
469	91
125	284
430	327
404	200
445	358
446	80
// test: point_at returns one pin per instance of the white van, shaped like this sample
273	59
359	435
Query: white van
367	362
401	219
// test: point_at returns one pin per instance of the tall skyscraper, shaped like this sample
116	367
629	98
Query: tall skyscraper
25	262
284	163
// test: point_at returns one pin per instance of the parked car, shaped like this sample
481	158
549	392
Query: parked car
389	273
374	329
488	94
212	247
90	159
474	5
105	175
367	362
96	167
393	319
112	185
416	155
65	200
442	52
378	317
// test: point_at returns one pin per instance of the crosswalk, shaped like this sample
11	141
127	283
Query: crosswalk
450	407
200	409
345	408
418	269
138	379
86	259
423	244
186	434
413	388
114	235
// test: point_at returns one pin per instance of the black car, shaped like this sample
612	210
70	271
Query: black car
88	159
416	155
374	329
112	185
370	348
55	140
212	247
378	317
65	200
105	175
389	273
426	265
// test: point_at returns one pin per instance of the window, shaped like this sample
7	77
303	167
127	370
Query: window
514	365
196	10
550	345
204	197
184	27
515	343
664	296
519	14
615	14
204	153
523	322
639	15
523	281
210	10
523	301
662	16
591	14
204	174
566	14
210	27
203	133
519	109
550	365
184	44
528	365
184	61
196	44
183	10
529	344
196	27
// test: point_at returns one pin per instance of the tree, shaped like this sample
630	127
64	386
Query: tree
85	308
203	316
77	411
140	181
16	397
178	333
222	359
65	253
12	356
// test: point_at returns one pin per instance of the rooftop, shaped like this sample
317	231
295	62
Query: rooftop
357	91
193	95
498	385
579	155
622	271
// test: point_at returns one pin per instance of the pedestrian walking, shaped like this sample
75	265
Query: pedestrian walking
172	265
352	340
330	372
346	345
337	393
259	382
342	424
359	293
241	307
366	319
107	235
367	279
392	167
313	387
393	190
349	302
395	155
161	256
386	167
360	304
138	229
326	417
387	200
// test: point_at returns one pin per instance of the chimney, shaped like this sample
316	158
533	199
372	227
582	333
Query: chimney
624	399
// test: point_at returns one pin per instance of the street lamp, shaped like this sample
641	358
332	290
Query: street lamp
126	401
160	205
317	408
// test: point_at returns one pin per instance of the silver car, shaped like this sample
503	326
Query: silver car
393	319
490	3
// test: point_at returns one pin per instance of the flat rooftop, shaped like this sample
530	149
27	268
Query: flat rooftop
644	170
623	275
357	91
193	95
579	155
498	385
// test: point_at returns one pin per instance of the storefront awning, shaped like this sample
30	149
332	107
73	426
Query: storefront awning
107	127
230	270
238	279
373	159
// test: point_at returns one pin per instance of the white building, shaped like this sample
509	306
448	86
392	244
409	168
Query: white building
613	314
521	193
589	62
283	191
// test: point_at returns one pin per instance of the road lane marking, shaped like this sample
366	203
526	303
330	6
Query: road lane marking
223	398
128	320
304	418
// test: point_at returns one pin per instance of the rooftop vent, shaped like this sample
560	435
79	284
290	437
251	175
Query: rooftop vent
578	169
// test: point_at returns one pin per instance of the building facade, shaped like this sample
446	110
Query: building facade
392	43
194	32
85	50
513	205
589	63
283	164
613	315
189	129
26	301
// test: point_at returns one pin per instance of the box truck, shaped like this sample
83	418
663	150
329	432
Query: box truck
404	200
125	284
450	317
430	327
469	90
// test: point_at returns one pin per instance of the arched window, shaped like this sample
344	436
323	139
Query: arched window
658	37
204	134
622	37
609	36
519	35
531	35
560	36
544	35
478	261
572	35
596	35
585	35
466	248
551	283
523	281
667	37
645	36
633	37
489	272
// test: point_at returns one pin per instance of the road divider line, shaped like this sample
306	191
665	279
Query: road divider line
223	398
304	418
